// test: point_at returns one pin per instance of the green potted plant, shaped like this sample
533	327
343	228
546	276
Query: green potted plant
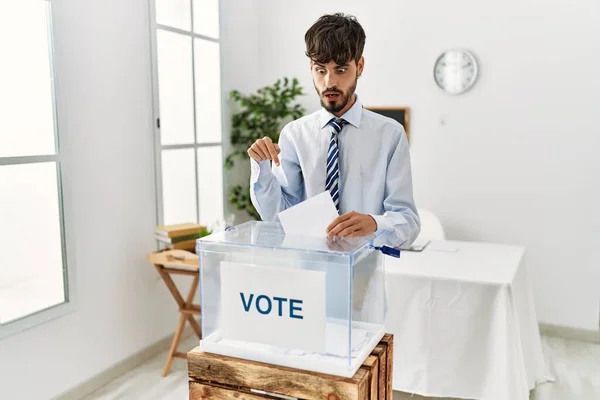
260	114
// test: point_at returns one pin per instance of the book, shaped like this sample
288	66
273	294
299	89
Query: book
177	230
185	245
177	239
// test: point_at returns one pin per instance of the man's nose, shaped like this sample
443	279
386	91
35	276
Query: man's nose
330	81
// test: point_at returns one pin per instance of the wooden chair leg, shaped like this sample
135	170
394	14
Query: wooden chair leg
195	326
189	304
187	310
170	285
190	297
174	345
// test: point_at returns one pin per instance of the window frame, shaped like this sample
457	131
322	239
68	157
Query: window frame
154	26
69	304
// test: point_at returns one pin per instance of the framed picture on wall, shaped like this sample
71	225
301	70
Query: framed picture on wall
400	114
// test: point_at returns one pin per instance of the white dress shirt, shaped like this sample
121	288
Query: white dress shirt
375	171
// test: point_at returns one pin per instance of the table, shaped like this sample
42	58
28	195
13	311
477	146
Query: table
464	322
179	262
214	376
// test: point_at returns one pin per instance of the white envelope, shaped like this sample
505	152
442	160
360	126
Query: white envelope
311	217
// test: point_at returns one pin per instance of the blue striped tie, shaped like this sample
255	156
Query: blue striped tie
333	169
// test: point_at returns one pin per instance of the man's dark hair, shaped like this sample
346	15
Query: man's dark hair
336	37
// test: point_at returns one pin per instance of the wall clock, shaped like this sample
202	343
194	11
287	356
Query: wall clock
456	71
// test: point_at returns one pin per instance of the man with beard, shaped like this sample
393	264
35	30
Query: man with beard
360	157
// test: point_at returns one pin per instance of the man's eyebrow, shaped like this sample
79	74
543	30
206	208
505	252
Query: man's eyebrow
337	66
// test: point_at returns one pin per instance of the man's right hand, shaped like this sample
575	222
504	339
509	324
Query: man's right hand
264	149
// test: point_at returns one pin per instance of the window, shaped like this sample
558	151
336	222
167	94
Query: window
33	270
187	106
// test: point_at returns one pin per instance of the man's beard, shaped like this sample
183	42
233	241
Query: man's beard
342	100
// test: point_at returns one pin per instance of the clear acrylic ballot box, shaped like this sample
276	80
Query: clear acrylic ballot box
303	302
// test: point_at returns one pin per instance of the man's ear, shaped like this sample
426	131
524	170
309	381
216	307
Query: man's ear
361	65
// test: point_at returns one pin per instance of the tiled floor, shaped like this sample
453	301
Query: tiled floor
575	365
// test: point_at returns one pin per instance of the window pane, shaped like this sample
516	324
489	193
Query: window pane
175	88
208	91
25	80
174	13
206	18
179	186
210	184
31	264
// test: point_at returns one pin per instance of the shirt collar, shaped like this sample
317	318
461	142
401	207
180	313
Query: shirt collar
352	116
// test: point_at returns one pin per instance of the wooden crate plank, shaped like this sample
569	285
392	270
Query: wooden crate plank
388	339
363	388
201	391
380	352
229	371
371	364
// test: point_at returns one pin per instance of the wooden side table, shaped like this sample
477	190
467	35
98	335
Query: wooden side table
179	262
219	377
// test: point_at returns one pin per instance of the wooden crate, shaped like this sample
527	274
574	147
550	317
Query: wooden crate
219	377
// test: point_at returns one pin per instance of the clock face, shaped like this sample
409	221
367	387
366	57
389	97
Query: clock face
455	71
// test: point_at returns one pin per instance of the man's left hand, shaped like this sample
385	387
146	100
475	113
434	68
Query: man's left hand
352	224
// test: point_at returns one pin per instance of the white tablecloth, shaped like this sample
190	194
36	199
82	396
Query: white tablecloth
464	322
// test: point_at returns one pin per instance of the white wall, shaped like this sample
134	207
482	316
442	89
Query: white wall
239	71
513	161
104	100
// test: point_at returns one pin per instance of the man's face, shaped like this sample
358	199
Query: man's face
335	84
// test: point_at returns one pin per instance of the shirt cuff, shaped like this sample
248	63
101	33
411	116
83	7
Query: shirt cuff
260	172
383	224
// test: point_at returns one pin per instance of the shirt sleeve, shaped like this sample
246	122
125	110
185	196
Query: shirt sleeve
276	188
400	224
